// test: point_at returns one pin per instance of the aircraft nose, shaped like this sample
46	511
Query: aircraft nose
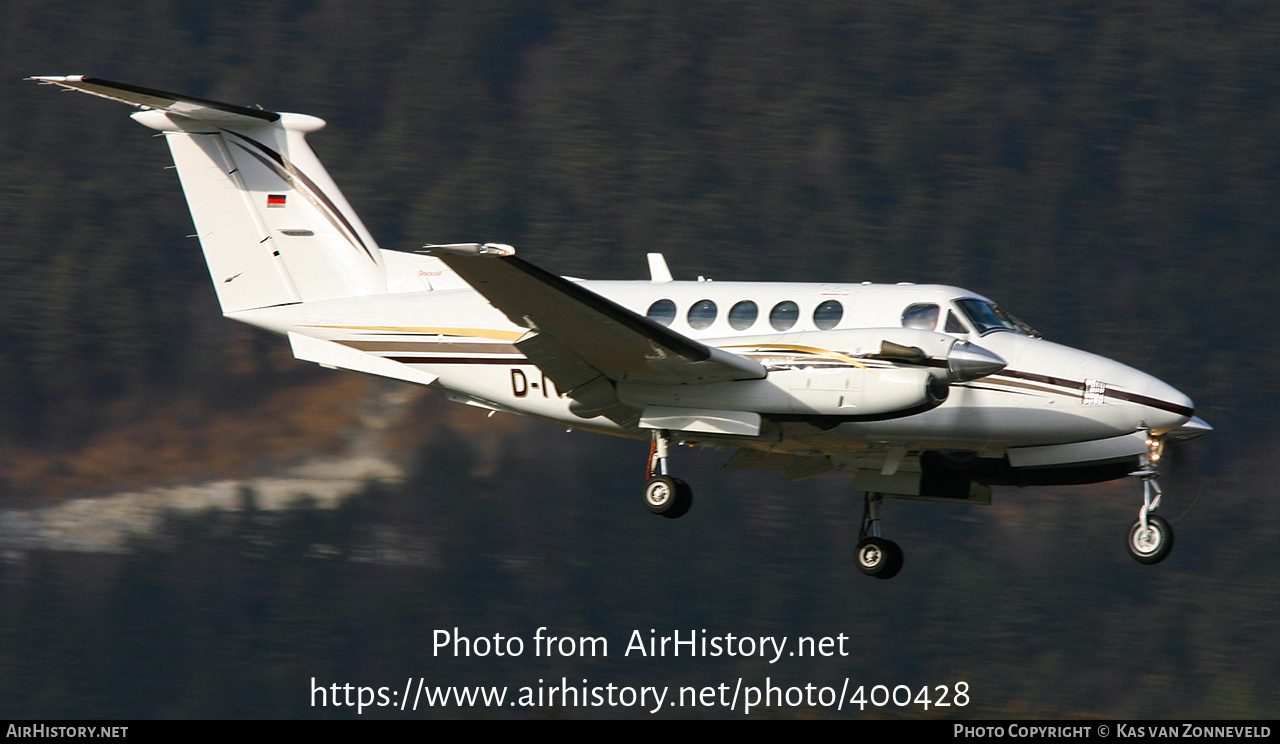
1170	407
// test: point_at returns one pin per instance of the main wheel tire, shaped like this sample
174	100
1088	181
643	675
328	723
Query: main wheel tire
661	494
684	500
1153	544
879	557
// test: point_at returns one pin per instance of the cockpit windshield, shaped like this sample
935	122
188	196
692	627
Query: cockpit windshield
986	318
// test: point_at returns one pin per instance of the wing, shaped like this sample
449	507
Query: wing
584	341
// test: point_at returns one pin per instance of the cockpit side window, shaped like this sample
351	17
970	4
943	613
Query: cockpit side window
986	318
953	323
924	317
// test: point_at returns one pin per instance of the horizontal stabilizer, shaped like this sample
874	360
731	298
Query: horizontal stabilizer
330	354
173	103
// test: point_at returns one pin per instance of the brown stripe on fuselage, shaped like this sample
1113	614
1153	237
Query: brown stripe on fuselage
513	361
1151	402
1074	386
1002	389
460	347
1047	379
1019	386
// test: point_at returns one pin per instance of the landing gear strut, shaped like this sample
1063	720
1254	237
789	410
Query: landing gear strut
877	556
1150	537
664	495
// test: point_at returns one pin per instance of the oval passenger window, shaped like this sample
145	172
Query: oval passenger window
662	312
827	315
784	315
743	315
702	314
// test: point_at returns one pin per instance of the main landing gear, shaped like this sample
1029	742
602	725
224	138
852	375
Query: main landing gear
877	556
1150	537
664	495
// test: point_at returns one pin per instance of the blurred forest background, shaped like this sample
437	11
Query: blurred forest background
1109	172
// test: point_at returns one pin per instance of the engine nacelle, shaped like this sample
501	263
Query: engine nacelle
858	372
801	390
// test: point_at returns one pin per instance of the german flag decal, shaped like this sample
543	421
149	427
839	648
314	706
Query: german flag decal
276	200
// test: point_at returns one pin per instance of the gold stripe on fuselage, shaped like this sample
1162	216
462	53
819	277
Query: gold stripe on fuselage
766	349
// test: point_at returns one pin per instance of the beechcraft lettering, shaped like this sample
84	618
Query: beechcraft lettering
919	391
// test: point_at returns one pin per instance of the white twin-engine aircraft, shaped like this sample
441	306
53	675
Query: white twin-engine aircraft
920	391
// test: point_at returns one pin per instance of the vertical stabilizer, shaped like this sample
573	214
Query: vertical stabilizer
274	227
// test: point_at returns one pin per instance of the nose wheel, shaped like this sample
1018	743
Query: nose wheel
1150	536
664	495
1150	543
876	556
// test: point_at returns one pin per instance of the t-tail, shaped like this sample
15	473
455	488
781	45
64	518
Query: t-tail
274	227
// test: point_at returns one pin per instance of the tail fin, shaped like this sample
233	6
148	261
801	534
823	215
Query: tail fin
274	227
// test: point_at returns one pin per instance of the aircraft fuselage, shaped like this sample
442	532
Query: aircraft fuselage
1048	394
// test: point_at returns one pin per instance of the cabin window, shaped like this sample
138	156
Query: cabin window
702	314
743	315
662	312
827	315
784	315
924	317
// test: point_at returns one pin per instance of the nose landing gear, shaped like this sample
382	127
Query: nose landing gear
664	495
1150	536
876	556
